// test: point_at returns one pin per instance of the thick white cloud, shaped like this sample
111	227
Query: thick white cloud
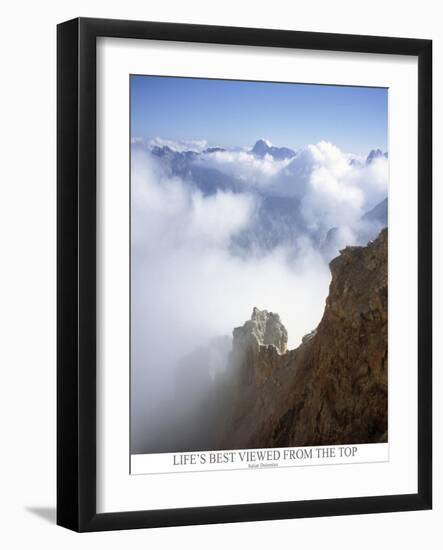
330	198
338	193
333	190
170	213
216	218
244	165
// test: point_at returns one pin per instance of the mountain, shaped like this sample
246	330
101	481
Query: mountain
263	147
332	389
368	227
177	161
375	154
210	150
252	392
277	218
276	221
379	213
208	180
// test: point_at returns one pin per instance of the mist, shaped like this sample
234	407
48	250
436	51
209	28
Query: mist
195	276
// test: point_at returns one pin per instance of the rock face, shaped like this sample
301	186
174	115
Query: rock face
333	388
264	329
257	345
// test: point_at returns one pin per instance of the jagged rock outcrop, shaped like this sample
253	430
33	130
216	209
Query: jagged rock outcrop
333	388
263	329
257	346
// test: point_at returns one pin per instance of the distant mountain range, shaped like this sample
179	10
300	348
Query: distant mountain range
180	161
276	219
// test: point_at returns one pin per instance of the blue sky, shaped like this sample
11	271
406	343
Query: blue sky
234	113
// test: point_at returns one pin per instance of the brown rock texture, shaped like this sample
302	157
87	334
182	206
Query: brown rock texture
332	389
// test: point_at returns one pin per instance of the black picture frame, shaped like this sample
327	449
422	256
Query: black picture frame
76	273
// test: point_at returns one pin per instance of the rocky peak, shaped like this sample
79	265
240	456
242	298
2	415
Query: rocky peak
263	329
264	147
332	389
261	147
375	154
258	345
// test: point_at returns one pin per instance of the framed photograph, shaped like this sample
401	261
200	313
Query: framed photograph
244	274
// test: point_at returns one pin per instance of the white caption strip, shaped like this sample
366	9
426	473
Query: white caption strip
243	459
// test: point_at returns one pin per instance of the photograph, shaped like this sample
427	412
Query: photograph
258	264
222	314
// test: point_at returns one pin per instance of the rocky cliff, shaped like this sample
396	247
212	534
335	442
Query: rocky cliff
332	389
258	345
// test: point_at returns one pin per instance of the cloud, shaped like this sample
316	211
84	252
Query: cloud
329	197
176	225
188	284
335	188
254	171
169	212
182	259
215	219
338	193
334	185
